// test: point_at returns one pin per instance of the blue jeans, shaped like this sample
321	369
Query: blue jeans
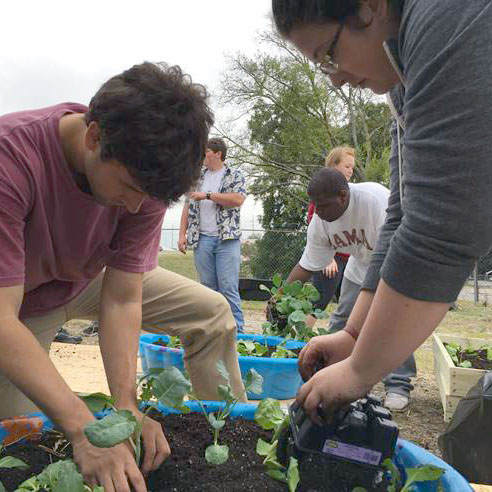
217	263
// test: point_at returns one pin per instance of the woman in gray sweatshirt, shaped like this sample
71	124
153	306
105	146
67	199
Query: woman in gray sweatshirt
433	59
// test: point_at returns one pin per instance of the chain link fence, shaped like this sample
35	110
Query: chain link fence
266	252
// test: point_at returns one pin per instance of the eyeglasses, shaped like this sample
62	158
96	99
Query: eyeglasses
327	65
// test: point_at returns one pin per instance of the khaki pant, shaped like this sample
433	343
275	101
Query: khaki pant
172	305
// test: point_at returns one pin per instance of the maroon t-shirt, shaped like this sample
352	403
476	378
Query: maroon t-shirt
54	238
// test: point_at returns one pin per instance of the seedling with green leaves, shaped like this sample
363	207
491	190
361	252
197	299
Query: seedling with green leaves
10	462
269	416
470	357
289	306
168	386
251	349
218	454
61	476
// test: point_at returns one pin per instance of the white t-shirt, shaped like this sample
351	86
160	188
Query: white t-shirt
354	233
208	208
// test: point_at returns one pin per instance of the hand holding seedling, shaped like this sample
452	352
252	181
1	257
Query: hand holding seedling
324	351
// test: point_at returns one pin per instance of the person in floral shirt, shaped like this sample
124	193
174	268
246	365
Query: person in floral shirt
210	224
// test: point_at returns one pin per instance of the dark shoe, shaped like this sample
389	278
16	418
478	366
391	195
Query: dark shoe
91	330
64	337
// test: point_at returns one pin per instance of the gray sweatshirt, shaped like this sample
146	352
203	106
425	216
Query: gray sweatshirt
433	236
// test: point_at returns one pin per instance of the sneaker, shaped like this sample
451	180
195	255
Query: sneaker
91	330
396	402
64	337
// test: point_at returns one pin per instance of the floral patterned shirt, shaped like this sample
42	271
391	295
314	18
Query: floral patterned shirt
228	218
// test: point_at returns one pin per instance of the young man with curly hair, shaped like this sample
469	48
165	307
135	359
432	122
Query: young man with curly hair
83	192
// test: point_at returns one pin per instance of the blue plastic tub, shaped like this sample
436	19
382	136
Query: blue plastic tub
281	378
408	455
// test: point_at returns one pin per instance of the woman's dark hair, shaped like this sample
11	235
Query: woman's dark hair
218	145
155	122
327	182
290	13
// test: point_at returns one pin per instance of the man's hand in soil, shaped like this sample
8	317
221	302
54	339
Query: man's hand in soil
156	447
330	389
324	351
113	468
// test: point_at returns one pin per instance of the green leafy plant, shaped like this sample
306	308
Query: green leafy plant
251	349
168	386
423	473
216	453
10	462
269	416
281	352
463	356
61	476
288	308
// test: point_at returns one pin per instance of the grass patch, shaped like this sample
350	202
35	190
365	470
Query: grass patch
179	263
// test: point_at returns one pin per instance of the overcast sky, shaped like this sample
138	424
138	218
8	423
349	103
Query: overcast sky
53	51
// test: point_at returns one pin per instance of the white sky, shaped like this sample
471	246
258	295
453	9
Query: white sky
53	51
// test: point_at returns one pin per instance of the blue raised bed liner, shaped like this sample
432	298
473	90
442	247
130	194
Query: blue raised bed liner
408	454
281	378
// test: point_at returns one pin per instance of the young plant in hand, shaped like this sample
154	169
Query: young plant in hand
289	306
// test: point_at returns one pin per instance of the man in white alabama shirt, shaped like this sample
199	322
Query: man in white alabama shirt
347	220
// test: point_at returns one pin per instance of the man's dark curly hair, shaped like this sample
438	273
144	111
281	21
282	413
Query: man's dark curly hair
288	14
155	121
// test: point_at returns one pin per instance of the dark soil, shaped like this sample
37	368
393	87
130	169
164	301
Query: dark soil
186	469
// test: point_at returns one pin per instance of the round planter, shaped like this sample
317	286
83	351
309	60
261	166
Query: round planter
281	378
407	454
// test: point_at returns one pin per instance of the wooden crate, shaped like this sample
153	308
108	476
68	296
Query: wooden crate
454	382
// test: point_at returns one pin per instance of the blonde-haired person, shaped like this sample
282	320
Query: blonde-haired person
328	280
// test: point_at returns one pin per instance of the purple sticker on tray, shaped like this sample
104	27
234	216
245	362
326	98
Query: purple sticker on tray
356	453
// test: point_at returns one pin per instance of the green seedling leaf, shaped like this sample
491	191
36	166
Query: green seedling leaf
395	475
293	477
111	430
61	476
294	288
97	402
2	488
29	485
277	280
283	307
269	414
69	480
451	350
261	349
254	382
489	353
146	393
222	370
214	422
359	489
11	462
320	314
297	317
98	489
297	305
263	448
471	350
217	454
170	387
246	347
426	473
225	392
278	475
455	359
466	364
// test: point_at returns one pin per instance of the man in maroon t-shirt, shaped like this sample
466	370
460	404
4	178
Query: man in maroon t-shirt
83	192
